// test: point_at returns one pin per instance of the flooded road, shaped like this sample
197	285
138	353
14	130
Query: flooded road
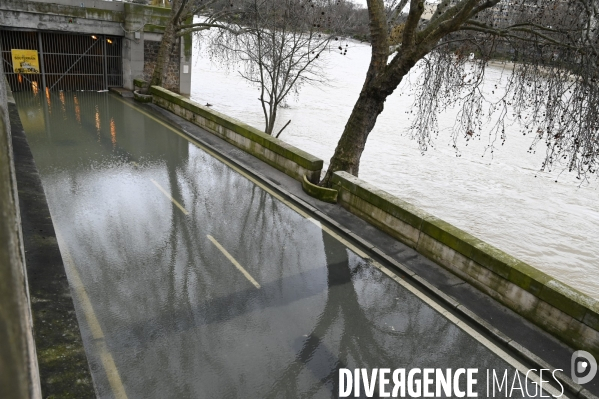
501	197
191	280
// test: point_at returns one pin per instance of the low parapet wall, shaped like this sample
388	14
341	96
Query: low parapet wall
288	159
559	309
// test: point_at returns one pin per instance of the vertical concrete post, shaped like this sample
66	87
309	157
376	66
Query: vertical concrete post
185	64
133	46
42	66
19	374
104	62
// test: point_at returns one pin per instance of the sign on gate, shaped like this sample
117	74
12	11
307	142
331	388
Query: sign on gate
25	61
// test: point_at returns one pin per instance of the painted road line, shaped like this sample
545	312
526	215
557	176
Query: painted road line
483	340
233	261
169	197
316	222
112	373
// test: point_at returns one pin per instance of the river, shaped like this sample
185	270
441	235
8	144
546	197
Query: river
501	198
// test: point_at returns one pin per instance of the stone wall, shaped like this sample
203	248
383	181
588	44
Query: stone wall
173	71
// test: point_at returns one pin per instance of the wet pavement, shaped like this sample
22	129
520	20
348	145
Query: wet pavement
192	281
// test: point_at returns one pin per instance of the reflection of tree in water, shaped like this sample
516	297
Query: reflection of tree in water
351	332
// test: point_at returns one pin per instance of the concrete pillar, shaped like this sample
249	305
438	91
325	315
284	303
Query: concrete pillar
185	65
133	46
133	58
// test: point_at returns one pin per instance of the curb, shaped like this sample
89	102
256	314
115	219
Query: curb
142	98
320	193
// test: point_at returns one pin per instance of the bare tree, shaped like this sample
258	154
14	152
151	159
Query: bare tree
553	89
281	46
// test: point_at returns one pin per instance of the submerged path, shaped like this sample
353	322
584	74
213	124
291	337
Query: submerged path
193	279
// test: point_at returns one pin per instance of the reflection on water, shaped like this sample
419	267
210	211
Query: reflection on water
175	315
113	132
500	198
77	109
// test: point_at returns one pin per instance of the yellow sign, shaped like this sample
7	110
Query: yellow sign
25	61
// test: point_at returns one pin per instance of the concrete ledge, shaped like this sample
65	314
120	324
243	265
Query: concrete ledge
286	158
321	193
122	92
559	309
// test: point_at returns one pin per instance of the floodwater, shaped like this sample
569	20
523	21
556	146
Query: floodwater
501	197
191	281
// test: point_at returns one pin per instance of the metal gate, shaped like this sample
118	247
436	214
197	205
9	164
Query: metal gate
66	61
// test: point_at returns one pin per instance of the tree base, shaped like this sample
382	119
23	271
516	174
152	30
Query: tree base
142	98
321	193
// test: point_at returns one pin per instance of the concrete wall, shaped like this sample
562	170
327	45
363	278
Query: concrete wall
137	27
99	17
559	309
288	159
86	3
19	377
178	76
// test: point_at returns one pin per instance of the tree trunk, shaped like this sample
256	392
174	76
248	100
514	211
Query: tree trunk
164	52
380	83
270	127
381	80
347	155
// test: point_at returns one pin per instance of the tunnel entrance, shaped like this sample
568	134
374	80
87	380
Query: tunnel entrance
36	60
